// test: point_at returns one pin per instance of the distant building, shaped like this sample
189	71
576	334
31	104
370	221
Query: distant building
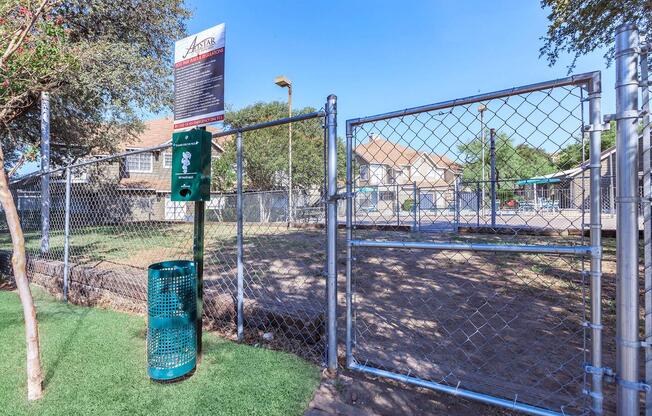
388	171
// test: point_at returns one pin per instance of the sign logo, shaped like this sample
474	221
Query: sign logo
198	47
185	161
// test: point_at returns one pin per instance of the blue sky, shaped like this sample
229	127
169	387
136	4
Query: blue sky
381	55
378	56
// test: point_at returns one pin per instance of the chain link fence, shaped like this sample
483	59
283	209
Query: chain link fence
109	219
473	248
491	298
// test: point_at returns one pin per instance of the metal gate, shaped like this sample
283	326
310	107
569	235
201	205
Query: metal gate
507	314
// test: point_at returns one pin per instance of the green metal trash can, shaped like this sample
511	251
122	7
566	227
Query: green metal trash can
172	313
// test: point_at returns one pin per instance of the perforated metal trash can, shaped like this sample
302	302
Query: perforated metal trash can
172	312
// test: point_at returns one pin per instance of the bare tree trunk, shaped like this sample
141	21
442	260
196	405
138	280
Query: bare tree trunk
19	263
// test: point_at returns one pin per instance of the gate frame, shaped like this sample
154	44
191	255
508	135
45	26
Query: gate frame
592	82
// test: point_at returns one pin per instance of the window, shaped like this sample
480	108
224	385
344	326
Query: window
391	175
364	172
167	159
386	195
141	162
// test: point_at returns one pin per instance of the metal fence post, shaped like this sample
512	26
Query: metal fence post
627	314
45	169
478	197
331	131
66	237
415	225
349	237
239	242
456	203
398	207
595	130
647	221
492	153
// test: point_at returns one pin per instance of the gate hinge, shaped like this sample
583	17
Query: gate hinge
632	344
608	118
607	372
342	195
633	385
596	251
592	394
588	128
587	324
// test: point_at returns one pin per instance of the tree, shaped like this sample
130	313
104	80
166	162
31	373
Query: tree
512	162
265	151
571	156
579	27
111	63
104	63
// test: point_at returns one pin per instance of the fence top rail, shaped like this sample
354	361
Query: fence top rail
503	248
273	123
579	79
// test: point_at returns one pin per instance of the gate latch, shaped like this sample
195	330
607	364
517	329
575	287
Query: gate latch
607	372
633	385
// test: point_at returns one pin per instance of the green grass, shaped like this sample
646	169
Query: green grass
110	242
119	242
95	364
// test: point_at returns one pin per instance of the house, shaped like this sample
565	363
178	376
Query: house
390	174
149	173
572	187
134	187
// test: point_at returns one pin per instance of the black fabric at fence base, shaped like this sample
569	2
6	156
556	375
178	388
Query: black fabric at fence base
91	286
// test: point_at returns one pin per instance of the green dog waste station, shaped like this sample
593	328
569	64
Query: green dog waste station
172	313
174	289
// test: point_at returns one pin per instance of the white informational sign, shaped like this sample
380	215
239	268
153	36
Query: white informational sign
199	79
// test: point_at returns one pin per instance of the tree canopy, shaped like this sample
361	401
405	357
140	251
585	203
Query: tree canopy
571	155
578	27
104	62
265	151
512	161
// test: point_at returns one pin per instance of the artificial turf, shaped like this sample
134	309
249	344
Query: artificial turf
94	363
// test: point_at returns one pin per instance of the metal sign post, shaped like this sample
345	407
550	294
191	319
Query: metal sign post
198	101
198	256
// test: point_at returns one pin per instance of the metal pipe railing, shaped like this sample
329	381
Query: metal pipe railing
331	291
349	249
279	122
627	313
571	80
455	391
494	248
66	237
595	139
647	221
239	237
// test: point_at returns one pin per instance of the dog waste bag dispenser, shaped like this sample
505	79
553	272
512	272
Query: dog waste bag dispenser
191	165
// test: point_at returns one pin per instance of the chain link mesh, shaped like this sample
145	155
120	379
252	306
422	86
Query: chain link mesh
122	219
510	325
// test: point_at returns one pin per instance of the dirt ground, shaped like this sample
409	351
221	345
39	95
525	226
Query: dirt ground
356	394
506	324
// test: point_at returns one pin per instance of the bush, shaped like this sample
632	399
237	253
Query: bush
407	205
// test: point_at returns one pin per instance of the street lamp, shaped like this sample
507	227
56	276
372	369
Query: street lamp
481	110
284	82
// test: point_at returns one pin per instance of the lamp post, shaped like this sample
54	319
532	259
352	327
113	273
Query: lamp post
481	110
284	82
